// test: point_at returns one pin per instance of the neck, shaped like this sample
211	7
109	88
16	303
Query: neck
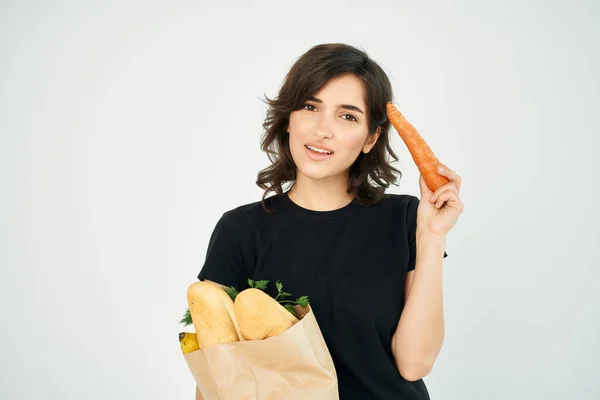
320	195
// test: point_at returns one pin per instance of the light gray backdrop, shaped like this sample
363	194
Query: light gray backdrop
128	128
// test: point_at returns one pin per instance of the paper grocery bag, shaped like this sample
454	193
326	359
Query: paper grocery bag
293	365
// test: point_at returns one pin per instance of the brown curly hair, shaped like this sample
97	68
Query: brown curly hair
372	172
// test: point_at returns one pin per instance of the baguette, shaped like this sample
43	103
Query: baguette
260	316
212	313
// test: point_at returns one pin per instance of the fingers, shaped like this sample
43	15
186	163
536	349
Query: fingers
453	185
444	197
452	176
425	191
448	187
450	198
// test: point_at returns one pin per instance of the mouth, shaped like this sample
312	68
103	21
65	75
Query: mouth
317	153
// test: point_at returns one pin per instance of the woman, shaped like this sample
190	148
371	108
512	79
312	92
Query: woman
370	262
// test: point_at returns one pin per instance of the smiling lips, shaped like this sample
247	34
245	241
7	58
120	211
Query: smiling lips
318	153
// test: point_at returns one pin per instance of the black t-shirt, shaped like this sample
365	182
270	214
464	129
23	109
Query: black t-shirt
351	262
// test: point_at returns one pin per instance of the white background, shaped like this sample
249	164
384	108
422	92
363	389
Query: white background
127	129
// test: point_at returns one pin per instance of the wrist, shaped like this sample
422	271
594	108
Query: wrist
430	236
430	242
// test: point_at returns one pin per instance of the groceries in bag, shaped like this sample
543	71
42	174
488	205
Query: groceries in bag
224	315
250	345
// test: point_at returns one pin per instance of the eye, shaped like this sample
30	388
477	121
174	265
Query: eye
310	107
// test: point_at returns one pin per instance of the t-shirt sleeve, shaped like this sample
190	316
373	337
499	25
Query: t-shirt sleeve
411	230
225	263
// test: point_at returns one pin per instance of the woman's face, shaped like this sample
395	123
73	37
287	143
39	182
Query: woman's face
330	131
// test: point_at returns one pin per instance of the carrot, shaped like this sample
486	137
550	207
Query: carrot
422	155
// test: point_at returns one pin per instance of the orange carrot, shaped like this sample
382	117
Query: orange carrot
422	155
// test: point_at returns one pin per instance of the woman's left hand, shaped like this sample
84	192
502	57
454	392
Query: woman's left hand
439	215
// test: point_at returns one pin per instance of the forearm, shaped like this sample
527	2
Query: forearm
420	332
198	395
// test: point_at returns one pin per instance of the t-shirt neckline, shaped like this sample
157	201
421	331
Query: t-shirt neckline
296	208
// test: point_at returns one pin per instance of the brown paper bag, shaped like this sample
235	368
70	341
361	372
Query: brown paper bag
293	365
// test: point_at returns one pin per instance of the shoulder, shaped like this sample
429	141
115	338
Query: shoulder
399	202
248	214
400	208
401	199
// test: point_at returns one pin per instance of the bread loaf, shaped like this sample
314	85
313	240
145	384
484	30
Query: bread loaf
260	316
212	313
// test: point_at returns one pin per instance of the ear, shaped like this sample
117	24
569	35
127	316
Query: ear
371	140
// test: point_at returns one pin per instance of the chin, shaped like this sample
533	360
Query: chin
317	172
315	175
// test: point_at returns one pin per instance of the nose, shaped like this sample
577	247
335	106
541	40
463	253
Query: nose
324	128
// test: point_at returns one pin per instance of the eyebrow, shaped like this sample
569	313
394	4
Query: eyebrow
345	106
